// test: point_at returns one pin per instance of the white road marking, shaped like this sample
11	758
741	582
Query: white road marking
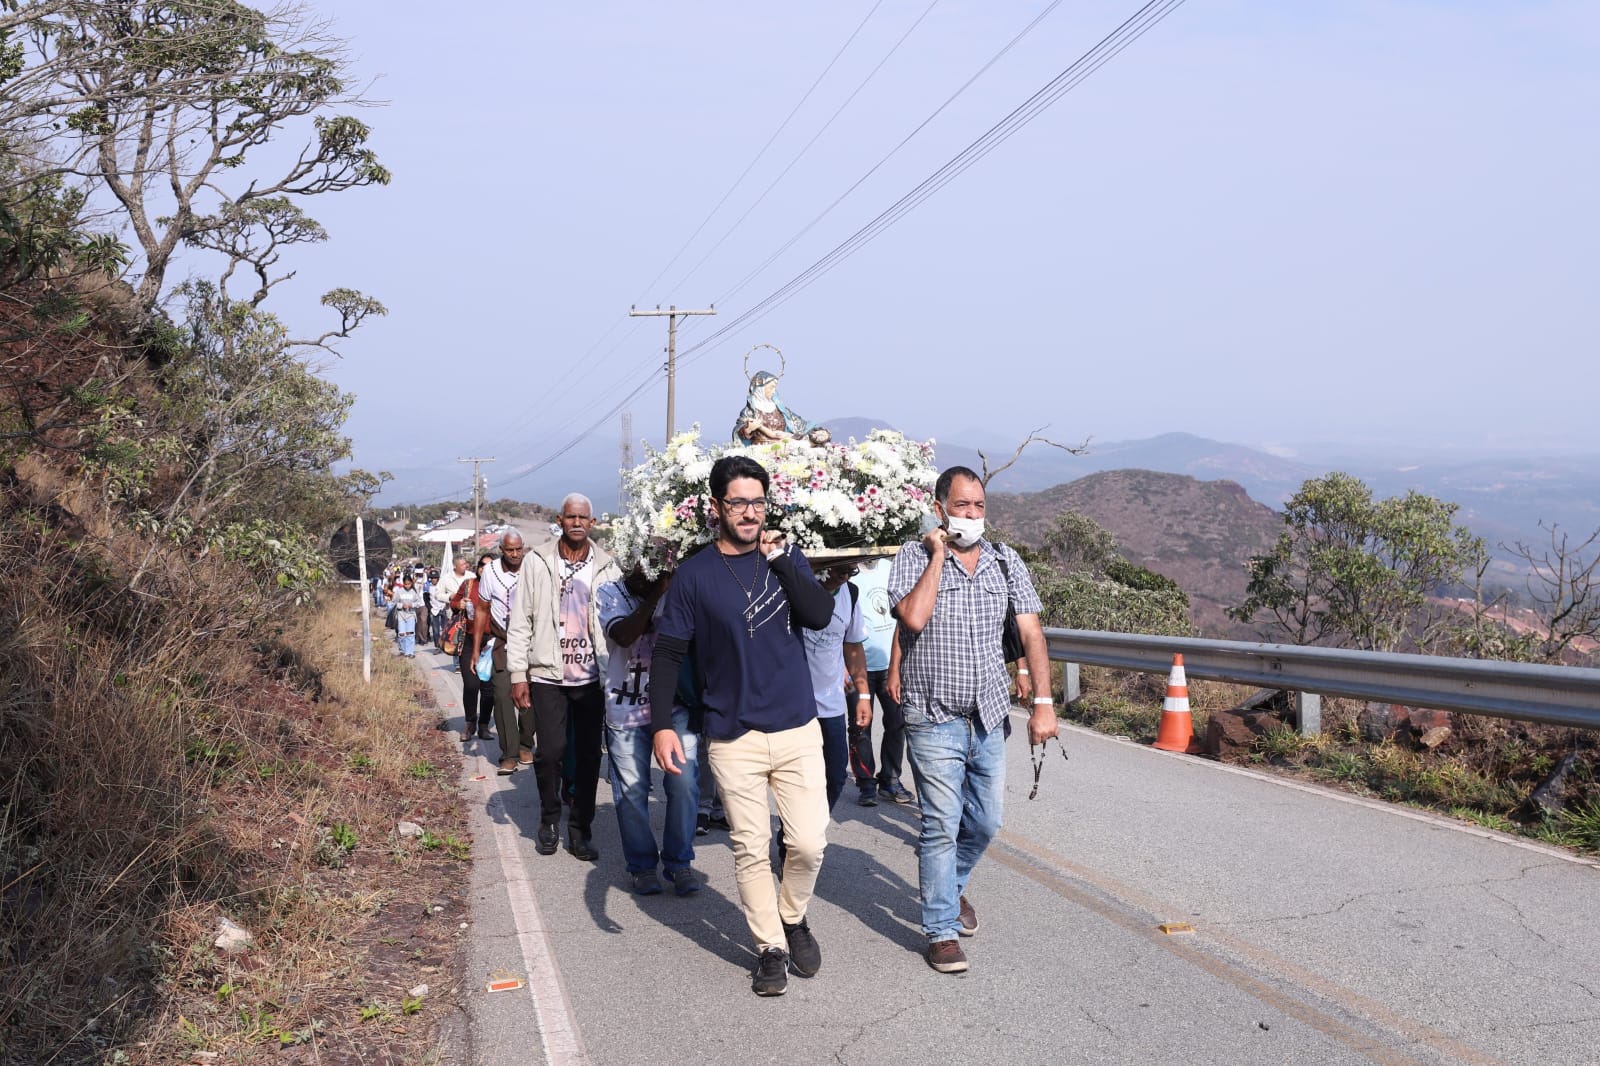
558	1025
559	1036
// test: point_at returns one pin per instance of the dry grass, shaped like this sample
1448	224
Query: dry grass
171	759
1129	704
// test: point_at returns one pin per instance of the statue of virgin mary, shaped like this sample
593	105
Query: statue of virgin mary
764	418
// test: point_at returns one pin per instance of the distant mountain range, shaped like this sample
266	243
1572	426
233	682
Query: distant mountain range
1502	500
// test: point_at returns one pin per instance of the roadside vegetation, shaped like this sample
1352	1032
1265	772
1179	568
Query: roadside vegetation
1351	571
183	737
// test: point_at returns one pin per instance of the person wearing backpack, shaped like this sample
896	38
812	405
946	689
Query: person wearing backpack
951	592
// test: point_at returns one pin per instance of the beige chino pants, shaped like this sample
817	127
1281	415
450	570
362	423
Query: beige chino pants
789	765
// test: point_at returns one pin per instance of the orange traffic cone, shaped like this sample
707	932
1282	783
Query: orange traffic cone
1176	731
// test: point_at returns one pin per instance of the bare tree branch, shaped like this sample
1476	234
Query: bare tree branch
1033	438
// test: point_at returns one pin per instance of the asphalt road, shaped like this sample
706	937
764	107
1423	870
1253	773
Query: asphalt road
1326	929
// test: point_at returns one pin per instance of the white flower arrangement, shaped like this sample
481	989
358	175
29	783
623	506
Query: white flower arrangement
822	496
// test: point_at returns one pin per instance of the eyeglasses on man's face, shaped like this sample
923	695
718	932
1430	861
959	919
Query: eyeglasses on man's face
734	505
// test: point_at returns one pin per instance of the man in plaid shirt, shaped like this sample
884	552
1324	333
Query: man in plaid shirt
949	593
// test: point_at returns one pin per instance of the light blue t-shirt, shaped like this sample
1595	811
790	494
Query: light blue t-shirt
873	582
825	653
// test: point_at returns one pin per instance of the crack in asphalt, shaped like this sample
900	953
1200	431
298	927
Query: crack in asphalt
861	1029
1482	883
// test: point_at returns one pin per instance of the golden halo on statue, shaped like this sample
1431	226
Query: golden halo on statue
753	351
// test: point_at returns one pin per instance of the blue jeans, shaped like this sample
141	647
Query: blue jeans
710	799
835	754
407	642
631	755
960	770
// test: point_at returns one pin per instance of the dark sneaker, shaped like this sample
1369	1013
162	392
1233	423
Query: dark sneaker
702	824
646	883
946	956
578	844
507	766
868	796
899	793
485	733
804	954
772	973
969	918
684	881
720	821
468	735
548	840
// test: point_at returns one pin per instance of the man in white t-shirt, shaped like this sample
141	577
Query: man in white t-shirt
628	611
838	674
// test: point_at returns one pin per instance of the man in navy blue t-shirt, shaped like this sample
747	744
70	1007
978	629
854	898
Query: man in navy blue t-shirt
742	601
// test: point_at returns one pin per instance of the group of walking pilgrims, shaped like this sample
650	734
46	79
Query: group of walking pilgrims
749	679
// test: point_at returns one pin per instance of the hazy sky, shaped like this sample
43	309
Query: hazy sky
1263	222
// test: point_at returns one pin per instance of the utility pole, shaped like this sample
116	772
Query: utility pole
366	601
626	459
477	494
673	314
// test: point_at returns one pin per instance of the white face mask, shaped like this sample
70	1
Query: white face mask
964	532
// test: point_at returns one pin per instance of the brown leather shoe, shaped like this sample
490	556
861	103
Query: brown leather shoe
969	918
507	766
525	758
946	956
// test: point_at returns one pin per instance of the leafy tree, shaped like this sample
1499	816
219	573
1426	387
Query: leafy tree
164	105
1083	583
1076	542
154	117
1353	571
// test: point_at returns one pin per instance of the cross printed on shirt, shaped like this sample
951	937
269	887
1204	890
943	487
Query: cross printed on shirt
631	693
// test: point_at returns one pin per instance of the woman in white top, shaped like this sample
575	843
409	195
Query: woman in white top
406	604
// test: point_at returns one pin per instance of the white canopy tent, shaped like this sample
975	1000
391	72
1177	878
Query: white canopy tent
449	537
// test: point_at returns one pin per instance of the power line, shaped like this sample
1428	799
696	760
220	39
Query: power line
759	155
1103	52
554	394
981	71
807	147
1108	48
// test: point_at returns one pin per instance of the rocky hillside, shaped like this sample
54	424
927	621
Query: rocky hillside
1199	533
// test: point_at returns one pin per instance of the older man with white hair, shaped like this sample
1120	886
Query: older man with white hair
556	651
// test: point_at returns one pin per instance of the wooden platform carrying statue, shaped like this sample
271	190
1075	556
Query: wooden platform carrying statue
765	418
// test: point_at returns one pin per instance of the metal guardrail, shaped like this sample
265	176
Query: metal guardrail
1551	695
